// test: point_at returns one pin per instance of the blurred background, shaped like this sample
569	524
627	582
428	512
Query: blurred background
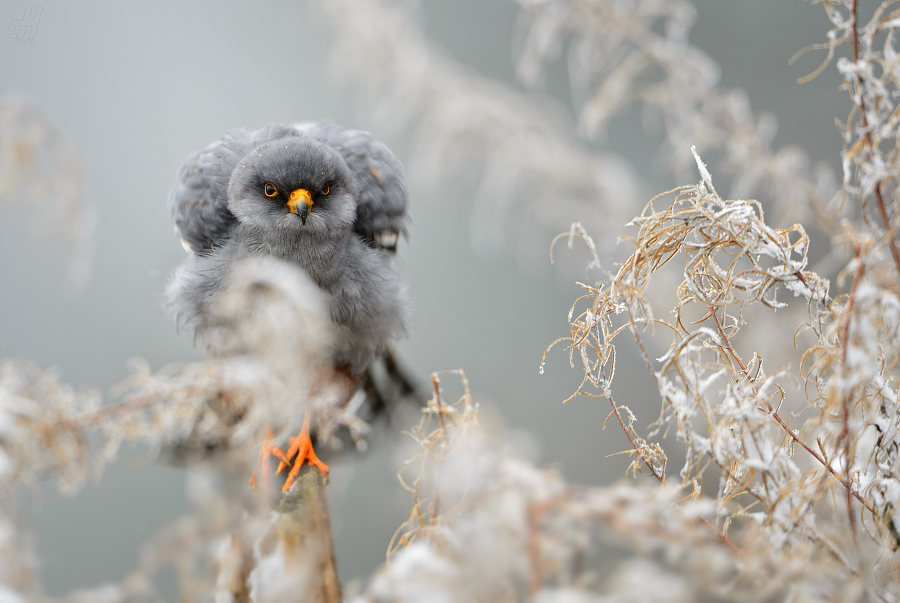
137	87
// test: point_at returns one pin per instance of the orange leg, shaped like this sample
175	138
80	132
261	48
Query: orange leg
301	446
265	451
349	382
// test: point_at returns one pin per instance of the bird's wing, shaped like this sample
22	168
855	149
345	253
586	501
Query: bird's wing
381	213
199	199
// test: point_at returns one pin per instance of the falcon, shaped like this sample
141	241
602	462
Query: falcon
328	201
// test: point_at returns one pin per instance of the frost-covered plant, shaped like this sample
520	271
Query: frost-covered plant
488	526
825	489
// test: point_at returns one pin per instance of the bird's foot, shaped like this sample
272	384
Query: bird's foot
301	450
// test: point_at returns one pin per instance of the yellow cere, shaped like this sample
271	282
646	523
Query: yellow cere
301	195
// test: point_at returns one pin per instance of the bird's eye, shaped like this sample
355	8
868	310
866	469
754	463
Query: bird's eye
271	191
326	190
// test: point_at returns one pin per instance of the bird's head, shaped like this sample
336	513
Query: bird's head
293	186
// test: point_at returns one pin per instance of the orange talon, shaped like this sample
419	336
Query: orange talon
301	446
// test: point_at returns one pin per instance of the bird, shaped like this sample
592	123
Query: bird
327	201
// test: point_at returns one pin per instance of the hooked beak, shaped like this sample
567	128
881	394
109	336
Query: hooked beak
300	203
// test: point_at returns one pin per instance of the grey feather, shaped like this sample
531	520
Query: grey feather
367	301
198	201
382	202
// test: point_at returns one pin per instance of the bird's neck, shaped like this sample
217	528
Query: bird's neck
322	258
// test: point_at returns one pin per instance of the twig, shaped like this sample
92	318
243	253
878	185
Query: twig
843	444
305	529
721	534
536	570
436	387
634	446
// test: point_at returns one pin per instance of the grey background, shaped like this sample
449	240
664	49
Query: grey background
139	86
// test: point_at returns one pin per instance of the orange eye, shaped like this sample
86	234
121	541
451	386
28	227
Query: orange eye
326	190
271	191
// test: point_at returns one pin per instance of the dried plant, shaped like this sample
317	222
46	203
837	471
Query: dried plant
870	155
535	175
487	526
824	491
624	53
40	177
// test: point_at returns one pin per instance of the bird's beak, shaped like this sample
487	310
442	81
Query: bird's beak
300	203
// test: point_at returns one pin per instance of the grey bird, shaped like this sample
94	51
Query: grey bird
329	201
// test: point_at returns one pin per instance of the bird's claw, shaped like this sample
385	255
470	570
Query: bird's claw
301	446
